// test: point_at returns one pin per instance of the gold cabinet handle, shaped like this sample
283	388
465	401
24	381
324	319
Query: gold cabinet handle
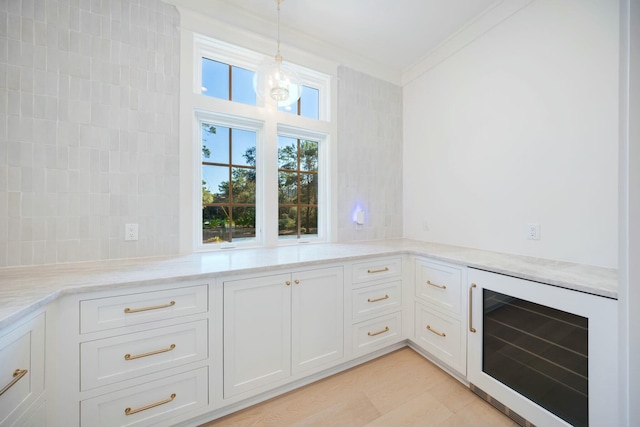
17	374
151	353
430	329
429	282
288	283
382	270
382	331
378	299
297	282
130	411
154	307
471	328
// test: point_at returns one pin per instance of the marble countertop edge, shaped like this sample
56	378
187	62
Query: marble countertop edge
24	290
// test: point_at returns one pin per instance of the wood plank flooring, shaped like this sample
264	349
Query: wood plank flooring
398	389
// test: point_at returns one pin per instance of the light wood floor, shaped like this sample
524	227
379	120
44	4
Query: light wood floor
399	389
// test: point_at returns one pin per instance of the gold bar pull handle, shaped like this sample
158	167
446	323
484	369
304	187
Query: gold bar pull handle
154	307
386	296
130	411
430	329
471	328
151	353
17	374
429	282
382	270
382	331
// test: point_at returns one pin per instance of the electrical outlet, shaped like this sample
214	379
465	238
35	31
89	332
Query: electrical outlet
533	231
425	224
131	232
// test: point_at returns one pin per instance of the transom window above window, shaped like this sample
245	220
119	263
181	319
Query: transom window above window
225	81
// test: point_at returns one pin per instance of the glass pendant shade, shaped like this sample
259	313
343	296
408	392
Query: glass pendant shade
279	82
276	80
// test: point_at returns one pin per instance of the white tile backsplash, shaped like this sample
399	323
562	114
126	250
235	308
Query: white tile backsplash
88	112
369	156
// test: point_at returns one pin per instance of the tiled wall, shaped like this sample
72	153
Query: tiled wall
369	156
88	129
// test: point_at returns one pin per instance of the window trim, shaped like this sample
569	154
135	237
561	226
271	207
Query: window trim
323	182
236	122
225	112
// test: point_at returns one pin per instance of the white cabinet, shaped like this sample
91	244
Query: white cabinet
280	326
134	357
22	361
376	304
439	314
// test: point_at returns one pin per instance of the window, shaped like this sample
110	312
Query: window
297	187
263	170
228	184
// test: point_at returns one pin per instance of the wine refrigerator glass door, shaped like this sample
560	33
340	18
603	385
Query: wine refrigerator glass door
538	350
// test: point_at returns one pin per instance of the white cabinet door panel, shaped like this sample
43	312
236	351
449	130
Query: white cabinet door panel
257	332
317	318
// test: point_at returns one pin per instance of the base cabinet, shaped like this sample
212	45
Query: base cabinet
279	326
439	313
22	369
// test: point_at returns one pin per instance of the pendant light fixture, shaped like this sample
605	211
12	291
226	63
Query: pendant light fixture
277	80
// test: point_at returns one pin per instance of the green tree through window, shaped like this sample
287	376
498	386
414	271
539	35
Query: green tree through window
228	184
297	187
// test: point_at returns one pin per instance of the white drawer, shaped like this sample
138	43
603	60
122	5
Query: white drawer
441	336
132	309
34	418
374	269
439	284
150	404
377	333
376	299
110	360
21	368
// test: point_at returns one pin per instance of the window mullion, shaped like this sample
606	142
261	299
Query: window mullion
269	162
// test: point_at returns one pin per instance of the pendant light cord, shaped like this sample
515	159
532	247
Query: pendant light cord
278	50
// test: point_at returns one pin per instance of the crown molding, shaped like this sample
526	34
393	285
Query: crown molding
480	25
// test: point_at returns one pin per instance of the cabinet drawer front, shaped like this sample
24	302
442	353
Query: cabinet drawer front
377	333
149	404
376	299
21	369
440	335
439	285
115	312
377	269
105	361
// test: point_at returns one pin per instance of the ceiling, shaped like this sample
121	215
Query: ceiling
392	33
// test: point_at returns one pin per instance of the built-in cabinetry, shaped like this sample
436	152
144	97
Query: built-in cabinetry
280	326
376	304
439	316
22	373
142	355
182	353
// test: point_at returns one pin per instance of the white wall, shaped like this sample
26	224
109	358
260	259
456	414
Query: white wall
520	126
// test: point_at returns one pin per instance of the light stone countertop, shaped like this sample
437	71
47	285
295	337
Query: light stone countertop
25	289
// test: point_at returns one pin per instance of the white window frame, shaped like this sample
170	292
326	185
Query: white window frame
268	122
